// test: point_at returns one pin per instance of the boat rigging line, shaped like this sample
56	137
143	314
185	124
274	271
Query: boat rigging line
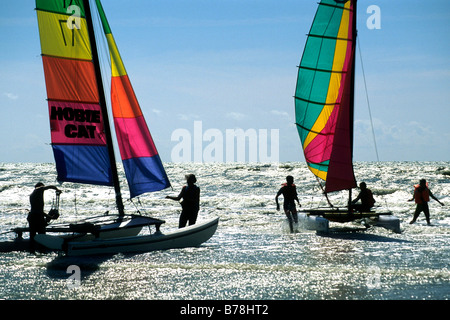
367	98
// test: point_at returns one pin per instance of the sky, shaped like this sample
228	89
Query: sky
227	64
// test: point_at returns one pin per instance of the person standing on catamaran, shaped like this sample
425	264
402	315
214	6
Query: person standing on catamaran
289	192
36	216
191	201
421	197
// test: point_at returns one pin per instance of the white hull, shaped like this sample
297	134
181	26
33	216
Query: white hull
322	225
314	223
388	222
191	236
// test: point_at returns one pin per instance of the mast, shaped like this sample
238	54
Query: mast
106	123
352	92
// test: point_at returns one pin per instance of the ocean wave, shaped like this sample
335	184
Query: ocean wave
383	192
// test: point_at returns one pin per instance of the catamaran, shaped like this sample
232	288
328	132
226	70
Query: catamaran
324	111
82	140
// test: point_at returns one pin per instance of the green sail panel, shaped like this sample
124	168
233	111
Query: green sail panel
69	7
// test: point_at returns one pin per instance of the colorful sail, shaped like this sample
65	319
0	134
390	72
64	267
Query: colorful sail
76	120
324	94
142	164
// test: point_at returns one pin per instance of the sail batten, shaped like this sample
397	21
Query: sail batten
315	102
324	94
322	70
328	37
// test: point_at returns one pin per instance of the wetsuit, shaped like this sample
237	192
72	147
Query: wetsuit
367	201
289	193
36	217
190	205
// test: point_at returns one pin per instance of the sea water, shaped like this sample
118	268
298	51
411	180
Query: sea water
252	256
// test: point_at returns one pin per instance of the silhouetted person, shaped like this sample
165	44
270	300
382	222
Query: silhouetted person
37	217
289	192
421	197
191	201
366	197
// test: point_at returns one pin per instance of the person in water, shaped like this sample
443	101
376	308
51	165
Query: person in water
366	197
191	201
421	197
289	192
37	217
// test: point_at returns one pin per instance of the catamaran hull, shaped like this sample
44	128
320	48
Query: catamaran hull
320	222
316	223
191	236
388	222
116	227
104	227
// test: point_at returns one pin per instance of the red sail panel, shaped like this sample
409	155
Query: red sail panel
340	171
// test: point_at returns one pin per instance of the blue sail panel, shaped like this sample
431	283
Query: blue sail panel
83	164
145	174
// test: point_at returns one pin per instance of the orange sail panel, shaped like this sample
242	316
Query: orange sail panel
324	94
70	80
77	132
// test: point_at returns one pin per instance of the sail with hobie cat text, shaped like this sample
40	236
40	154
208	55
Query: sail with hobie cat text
78	120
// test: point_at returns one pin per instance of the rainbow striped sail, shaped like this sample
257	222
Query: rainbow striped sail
324	94
76	119
141	161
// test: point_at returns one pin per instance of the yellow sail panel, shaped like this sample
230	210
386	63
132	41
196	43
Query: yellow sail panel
62	40
319	173
117	66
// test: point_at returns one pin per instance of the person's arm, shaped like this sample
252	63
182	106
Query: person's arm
51	187
432	196
296	198
276	199
357	198
178	198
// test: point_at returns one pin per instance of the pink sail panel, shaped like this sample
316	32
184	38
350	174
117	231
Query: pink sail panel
76	123
134	130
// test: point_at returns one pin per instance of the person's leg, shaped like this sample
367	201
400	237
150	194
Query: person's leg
419	209
32	235
426	211
183	219
295	215
193	217
289	217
